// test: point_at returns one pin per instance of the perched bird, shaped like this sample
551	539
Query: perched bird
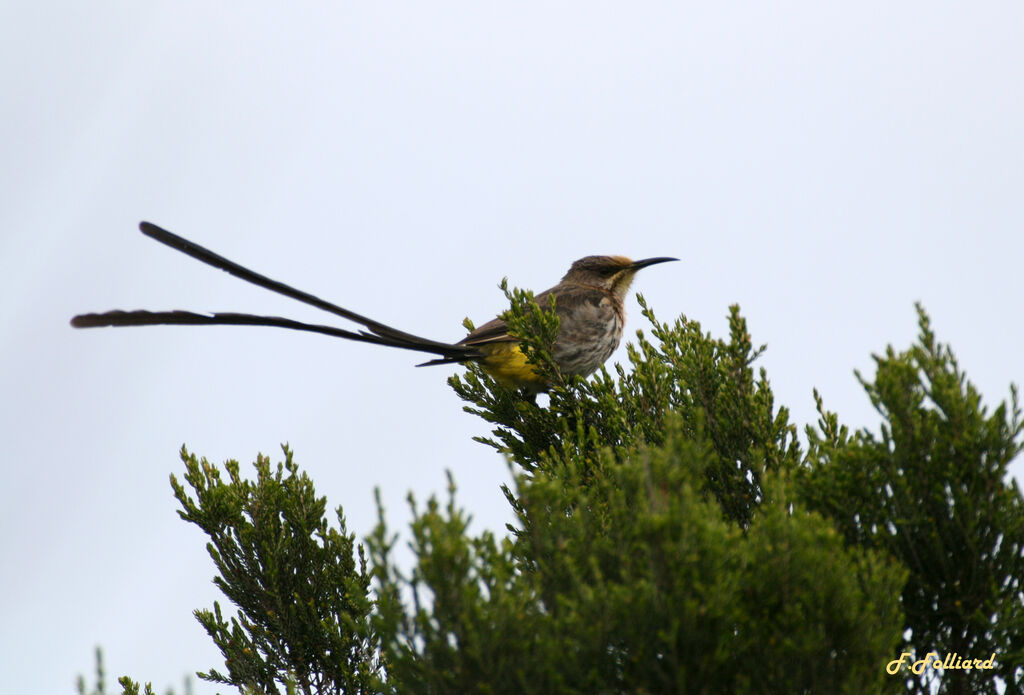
589	302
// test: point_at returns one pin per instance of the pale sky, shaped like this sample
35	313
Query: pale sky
824	165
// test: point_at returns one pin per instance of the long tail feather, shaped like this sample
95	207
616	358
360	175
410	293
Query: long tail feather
217	261
377	333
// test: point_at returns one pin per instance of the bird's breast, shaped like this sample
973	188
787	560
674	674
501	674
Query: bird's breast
588	333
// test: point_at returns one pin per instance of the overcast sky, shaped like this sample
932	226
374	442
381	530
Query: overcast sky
824	165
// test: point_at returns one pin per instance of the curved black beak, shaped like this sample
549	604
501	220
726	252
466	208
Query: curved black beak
638	265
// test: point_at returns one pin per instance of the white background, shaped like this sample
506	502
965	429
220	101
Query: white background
822	164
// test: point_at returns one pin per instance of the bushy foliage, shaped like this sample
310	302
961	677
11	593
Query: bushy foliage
708	383
670	536
630	580
932	491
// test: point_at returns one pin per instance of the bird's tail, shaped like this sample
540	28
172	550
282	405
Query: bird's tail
376	333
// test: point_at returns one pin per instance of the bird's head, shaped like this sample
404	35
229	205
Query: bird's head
612	273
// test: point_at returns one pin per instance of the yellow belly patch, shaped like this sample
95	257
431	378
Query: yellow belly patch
507	364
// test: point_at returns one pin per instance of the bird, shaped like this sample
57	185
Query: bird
589	303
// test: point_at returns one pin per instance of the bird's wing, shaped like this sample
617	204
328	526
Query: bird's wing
493	331
496	330
567	298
